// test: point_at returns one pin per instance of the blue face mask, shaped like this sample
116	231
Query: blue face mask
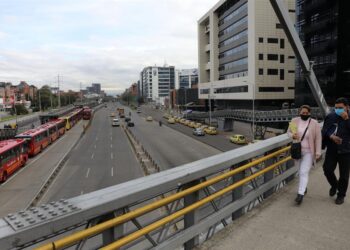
339	111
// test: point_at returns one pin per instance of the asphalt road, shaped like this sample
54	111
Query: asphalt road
102	158
220	142
168	147
20	189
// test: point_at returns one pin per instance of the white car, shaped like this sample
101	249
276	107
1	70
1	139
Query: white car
115	122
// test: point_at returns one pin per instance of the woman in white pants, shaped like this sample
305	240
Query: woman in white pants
310	146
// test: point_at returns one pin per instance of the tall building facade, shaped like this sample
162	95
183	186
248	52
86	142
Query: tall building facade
186	78
324	29
244	54
157	82
96	88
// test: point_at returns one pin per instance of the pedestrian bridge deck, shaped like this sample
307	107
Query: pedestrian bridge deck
280	224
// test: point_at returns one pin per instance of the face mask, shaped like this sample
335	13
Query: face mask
339	111
304	117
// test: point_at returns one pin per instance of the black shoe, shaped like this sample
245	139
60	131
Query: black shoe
332	191
299	199
305	191
339	200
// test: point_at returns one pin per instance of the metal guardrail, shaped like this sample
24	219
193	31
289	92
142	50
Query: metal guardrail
182	187
284	115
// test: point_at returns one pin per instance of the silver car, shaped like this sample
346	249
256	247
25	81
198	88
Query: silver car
198	132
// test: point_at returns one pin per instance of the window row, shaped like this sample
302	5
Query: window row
234	75
272	57
233	26
234	13
233	64
274	72
230	52
273	41
233	38
236	89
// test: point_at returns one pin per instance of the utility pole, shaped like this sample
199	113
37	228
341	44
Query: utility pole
39	100
51	97
59	92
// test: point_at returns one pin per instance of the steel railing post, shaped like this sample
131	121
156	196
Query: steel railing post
269	175
238	192
190	218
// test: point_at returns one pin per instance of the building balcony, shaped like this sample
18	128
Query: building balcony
207	29
208	66
312	5
207	47
326	24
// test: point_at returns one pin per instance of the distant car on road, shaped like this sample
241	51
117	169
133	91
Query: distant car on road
198	132
149	118
112	115
238	139
138	110
211	131
115	123
131	124
171	121
127	119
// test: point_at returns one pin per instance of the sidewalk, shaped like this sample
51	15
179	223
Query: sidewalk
279	224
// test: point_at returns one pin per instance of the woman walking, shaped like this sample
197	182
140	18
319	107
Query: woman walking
307	131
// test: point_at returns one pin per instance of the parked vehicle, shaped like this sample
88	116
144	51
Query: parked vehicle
171	121
238	139
192	124
198	132
13	155
149	118
211	131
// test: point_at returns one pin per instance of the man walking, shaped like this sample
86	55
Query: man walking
336	137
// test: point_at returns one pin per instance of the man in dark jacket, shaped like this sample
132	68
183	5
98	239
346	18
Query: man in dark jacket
336	137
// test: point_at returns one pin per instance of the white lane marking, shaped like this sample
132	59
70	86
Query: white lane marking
92	156
112	172
112	156
111	145
95	146
82	192
96	138
111	138
87	173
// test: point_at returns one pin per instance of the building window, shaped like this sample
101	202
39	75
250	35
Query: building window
237	89
272	40
204	91
291	88
272	72
291	71
261	56
279	26
291	11
233	38
281	58
281	74
261	39
271	89
291	57
261	72
272	57
282	44
233	64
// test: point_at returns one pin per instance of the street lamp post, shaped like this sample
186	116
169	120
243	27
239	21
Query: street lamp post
253	107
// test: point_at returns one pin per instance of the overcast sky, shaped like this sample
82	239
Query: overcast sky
106	41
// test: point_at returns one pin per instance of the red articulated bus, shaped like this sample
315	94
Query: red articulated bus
37	140
87	113
13	155
52	129
61	126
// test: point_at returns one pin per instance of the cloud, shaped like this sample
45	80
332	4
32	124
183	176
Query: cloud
106	41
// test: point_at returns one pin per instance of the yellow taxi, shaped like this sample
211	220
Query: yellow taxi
112	115
166	116
187	122
198	125
211	131
192	124
238	139
171	120
149	118
177	119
